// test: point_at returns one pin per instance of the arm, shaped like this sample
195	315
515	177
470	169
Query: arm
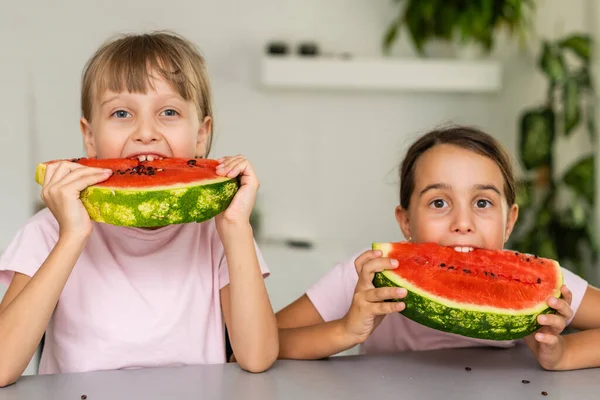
582	350
245	303
28	306
246	306
587	315
30	302
303	334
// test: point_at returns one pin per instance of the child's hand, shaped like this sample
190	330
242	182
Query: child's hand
242	204
547	344
63	183
368	307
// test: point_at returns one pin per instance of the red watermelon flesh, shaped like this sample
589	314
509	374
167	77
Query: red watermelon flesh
495	278
132	173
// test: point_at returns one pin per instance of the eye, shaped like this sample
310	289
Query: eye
438	203
170	113
481	203
121	114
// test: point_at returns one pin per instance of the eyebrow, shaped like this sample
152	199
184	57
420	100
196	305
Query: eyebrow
445	186
108	100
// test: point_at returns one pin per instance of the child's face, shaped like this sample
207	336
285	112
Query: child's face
157	124
458	200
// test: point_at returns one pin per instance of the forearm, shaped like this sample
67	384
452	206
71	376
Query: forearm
253	327
24	321
582	350
315	341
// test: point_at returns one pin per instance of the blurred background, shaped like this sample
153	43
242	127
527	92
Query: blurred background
324	96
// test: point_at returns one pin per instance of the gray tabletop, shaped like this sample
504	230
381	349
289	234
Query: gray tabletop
440	374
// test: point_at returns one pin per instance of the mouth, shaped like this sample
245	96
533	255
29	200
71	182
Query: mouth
141	157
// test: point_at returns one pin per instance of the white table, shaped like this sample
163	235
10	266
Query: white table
440	374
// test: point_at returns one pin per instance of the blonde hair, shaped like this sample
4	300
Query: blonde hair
127	62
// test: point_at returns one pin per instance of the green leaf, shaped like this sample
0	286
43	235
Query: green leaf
572	111
524	194
536	137
580	178
579	44
390	36
591	120
553	63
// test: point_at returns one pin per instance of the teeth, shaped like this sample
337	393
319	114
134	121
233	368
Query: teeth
463	249
148	157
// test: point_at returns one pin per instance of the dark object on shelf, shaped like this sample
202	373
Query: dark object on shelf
299	243
277	48
308	49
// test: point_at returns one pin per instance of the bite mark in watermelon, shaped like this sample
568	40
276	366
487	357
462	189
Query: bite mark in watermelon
154	193
486	294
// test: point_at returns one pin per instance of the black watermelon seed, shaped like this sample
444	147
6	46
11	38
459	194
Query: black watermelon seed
516	253
150	172
525	381
191	162
485	273
539	280
467	368
527	259
544	393
535	256
492	274
517	280
150	168
466	271
451	267
442	265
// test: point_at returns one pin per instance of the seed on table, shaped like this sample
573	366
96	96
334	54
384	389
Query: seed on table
544	393
525	381
468	368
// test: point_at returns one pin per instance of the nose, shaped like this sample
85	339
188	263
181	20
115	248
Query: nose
462	221
146	132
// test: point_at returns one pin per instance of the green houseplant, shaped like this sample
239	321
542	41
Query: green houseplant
557	207
459	21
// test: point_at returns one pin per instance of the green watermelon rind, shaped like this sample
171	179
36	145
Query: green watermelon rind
463	320
157	207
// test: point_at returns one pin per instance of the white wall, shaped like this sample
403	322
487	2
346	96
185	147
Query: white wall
327	160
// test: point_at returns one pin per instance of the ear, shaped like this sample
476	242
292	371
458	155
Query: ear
511	220
403	222
204	133
88	137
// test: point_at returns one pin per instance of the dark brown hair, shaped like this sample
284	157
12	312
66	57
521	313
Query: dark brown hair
126	62
465	137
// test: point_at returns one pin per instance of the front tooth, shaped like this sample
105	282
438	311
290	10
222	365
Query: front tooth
142	158
150	158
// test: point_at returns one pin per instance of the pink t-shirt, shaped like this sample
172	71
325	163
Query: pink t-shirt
136	298
332	297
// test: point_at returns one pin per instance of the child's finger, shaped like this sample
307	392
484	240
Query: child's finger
547	339
381	264
362	259
561	306
385	293
387	308
237	168
555	323
567	295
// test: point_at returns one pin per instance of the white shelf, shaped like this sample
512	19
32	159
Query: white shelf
430	75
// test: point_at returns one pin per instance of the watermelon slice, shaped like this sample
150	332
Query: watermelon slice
486	294
154	193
